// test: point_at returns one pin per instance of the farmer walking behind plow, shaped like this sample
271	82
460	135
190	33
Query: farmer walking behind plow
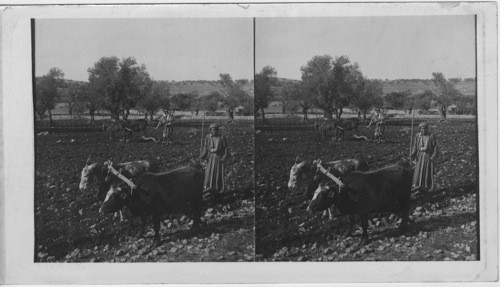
378	120
168	130
215	152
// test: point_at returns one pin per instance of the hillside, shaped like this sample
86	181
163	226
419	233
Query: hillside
466	88
204	87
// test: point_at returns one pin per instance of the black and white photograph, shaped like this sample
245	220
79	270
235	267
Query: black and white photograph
248	143
143	143
366	142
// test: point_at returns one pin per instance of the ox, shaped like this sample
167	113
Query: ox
112	127
172	192
100	172
134	126
348	124
361	193
325	125
306	171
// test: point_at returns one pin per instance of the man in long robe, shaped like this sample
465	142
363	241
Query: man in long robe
215	152
425	151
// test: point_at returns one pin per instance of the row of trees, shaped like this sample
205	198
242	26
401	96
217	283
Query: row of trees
335	84
119	86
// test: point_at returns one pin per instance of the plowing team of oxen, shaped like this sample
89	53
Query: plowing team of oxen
140	188
339	127
348	187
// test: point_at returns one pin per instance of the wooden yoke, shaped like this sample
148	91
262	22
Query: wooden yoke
327	173
120	176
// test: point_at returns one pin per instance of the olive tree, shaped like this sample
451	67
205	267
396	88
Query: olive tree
48	90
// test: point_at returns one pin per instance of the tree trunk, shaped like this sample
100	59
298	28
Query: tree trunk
283	107
442	112
115	115
339	113
263	115
359	114
364	114
91	113
70	109
126	114
50	117
230	115
327	113
304	111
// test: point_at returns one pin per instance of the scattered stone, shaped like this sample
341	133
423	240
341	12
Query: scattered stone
119	252
439	251
328	250
231	253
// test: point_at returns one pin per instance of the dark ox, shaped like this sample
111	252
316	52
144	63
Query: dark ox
174	192
100	172
134	126
348	124
384	190
112	127
304	171
325	125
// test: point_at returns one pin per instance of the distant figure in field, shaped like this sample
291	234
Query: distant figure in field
425	150
215	152
378	120
168	130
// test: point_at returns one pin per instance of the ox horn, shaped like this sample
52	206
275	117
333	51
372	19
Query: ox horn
88	162
297	160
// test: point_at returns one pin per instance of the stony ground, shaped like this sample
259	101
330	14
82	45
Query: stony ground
68	226
445	223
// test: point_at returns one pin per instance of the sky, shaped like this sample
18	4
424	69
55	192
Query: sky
384	47
171	49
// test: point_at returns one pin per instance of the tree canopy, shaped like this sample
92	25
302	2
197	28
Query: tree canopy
48	91
332	82
232	95
122	84
264	81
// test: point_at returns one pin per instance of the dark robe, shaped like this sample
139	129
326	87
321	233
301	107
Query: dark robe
425	149
215	151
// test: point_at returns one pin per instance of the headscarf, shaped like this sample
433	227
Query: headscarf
214	126
423	125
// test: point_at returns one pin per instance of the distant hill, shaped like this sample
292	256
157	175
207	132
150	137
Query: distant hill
204	87
466	88
200	87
